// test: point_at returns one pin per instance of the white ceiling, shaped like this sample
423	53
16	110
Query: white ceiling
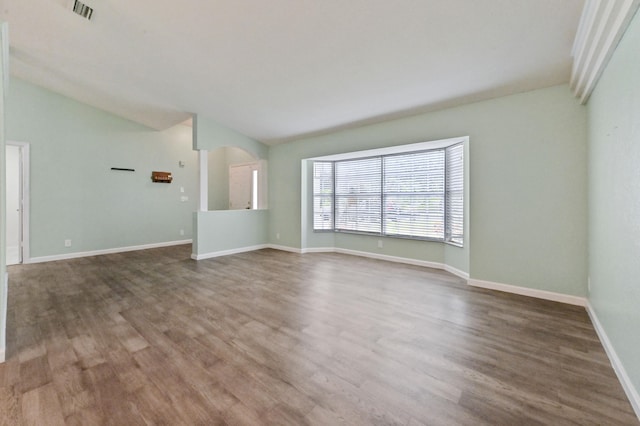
278	69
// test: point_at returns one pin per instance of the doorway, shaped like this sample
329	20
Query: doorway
244	186
17	190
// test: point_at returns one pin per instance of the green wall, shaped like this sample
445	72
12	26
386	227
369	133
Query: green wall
228	230
527	186
209	134
218	231
614	201
75	195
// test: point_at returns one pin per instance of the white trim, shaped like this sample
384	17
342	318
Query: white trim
531	292
424	263
388	258
601	28
2	355
524	291
285	248
318	250
455	271
106	251
203	181
25	186
396	149
618	367
228	252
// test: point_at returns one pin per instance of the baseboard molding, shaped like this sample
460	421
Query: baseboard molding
228	252
285	248
318	250
621	372
524	291
105	251
457	272
2	356
531	292
416	262
388	258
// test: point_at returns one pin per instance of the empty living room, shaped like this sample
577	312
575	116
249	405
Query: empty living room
413	212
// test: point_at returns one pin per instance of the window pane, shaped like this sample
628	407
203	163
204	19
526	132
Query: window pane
414	215
414	194
323	196
358	213
455	194
361	176
358	199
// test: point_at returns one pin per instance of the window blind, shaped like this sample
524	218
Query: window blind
323	196
358	195
414	194
455	194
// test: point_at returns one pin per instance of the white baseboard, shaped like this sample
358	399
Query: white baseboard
540	294
388	258
531	292
318	250
625	380
285	248
424	263
455	271
105	251
228	252
2	356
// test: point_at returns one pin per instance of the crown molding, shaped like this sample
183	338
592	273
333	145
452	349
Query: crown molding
602	25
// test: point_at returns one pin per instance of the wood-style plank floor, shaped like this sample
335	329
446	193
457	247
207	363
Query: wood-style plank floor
276	338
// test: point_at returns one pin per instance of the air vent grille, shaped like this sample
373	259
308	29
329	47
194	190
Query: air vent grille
82	9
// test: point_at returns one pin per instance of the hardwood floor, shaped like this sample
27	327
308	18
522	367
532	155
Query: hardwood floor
270	337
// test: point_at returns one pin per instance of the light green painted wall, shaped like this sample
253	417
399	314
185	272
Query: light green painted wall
218	179
75	195
223	230
527	184
209	135
3	239
614	201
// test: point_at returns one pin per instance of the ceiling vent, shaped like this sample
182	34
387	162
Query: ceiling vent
82	9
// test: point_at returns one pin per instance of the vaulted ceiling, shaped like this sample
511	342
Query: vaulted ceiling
279	69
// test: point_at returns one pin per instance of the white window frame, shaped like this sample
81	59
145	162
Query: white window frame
442	145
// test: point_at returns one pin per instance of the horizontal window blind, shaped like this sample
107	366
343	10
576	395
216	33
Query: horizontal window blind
358	195
414	194
455	194
323	196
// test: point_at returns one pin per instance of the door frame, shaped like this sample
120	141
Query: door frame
25	197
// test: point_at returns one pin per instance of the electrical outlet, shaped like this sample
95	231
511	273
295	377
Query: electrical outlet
184	198
277	235
380	244
182	232
67	243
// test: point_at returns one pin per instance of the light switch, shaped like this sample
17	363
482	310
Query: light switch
182	189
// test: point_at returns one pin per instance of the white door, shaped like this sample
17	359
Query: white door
240	183
13	205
